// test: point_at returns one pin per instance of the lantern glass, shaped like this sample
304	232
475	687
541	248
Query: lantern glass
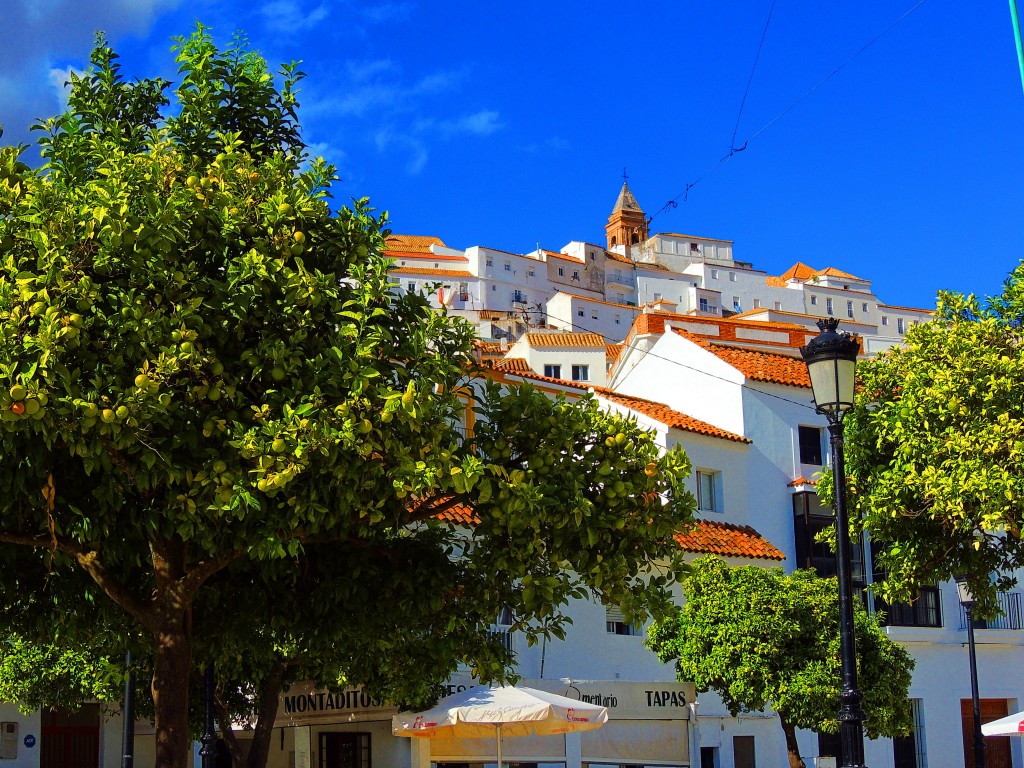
963	591
832	381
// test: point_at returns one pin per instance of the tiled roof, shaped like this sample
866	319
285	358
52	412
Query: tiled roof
488	347
799	271
801	481
412	243
516	364
562	256
775	282
612	351
618	257
757	364
833	272
712	537
418	256
657	411
626	201
429	271
459	512
565	339
667	416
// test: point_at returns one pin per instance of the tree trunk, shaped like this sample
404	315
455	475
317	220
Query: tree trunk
171	670
270	692
792	748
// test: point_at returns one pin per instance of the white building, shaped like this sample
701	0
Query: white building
588	288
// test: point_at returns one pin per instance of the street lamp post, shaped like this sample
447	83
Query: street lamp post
831	360
966	596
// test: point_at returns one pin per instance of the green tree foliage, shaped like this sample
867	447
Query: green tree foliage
760	638
935	446
211	394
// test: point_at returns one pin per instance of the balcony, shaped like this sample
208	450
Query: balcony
1010	617
924	611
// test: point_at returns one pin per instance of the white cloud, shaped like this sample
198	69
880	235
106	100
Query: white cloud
39	37
292	16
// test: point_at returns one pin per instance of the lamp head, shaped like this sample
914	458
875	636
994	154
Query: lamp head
831	359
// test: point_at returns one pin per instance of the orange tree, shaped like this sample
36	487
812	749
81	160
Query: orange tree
204	370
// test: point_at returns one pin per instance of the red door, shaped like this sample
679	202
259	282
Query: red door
68	742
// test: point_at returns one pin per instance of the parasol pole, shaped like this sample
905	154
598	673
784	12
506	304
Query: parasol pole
499	744
1015	20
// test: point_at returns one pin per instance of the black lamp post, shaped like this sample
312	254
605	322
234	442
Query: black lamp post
209	750
831	360
963	589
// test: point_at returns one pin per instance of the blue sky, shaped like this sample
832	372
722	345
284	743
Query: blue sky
509	125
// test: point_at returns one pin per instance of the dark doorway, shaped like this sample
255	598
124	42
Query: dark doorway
344	750
70	739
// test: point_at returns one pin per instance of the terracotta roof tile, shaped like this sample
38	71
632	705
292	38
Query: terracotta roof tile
801	481
424	257
833	272
618	257
668	416
712	537
612	351
908	309
799	271
657	411
432	272
517	364
757	364
565	339
412	243
775	282
458	512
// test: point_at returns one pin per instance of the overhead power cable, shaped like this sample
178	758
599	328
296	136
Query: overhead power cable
684	195
743	101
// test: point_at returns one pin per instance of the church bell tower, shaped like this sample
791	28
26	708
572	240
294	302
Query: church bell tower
627	224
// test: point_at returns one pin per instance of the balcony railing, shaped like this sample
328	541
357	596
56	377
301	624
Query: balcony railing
1011	615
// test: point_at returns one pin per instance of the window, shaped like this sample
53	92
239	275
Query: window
615	623
575	274
8	741
703	304
707	492
814	301
494	287
810	517
900	325
810	445
849	309
508	266
694	248
714	274
757	303
518	297
732	277
464	291
922	611
778	305
581	373
864	307
490	262
411	286
909	751
885	320
736	303
592	256
561	272
502	627
618	319
593	314
553	371
531	273
657	296
828	305
579	312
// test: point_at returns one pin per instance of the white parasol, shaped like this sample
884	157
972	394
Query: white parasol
1011	725
500	711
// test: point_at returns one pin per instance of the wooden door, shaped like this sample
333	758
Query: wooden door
997	748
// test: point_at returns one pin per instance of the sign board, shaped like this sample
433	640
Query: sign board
30	740
303	704
627	700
